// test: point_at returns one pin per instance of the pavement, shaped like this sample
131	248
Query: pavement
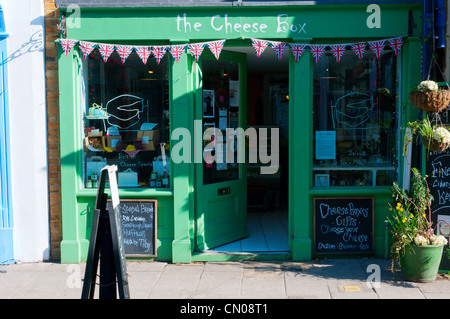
366	278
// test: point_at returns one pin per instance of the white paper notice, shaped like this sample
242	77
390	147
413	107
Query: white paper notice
325	145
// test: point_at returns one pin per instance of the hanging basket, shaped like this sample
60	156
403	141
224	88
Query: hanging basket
430	101
434	146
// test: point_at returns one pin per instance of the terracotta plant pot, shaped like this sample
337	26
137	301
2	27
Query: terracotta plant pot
421	263
431	101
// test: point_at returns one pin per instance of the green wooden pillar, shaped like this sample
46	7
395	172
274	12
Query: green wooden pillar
182	117
68	101
300	150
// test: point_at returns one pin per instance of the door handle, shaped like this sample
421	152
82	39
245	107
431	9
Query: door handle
223	191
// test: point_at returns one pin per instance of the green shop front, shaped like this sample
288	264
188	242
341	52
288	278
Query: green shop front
258	130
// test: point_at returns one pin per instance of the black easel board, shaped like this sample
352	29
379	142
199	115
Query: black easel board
106	244
139	226
343	225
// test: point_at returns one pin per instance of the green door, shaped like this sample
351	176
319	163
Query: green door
221	177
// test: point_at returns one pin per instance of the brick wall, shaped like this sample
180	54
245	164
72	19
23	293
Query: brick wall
51	71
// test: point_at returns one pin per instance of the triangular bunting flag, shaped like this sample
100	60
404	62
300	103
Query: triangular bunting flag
279	48
143	53
377	47
177	51
196	49
124	52
159	53
297	50
67	45
216	47
259	46
338	50
396	44
359	49
86	48
317	51
105	50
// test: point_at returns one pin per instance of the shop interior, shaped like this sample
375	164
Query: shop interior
267	194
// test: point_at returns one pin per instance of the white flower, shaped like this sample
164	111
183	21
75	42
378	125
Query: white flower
420	240
438	240
427	86
441	134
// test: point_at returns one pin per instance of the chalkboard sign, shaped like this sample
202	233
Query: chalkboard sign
138	219
343	225
438	171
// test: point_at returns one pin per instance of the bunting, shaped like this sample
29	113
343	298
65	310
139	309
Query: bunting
86	48
297	50
317	51
105	50
279	48
67	45
259	46
196	49
377	48
338	51
143	53
396	44
159	53
216	47
177	51
359	49
124	52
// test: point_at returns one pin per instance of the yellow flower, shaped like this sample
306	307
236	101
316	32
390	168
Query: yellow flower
424	216
412	216
398	204
404	220
401	209
390	208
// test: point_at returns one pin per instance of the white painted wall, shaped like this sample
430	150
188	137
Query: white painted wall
24	21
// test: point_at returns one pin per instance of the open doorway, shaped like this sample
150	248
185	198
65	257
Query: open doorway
267	194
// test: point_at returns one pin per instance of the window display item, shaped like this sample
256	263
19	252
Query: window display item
128	178
149	139
94	165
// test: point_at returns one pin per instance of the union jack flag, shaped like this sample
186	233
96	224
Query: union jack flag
159	53
359	49
297	50
377	47
67	45
396	44
279	48
143	53
338	50
124	52
177	51
86	48
216	47
105	50
196	49
317	51
259	46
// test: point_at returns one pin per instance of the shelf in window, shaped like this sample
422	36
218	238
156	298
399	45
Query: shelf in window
357	168
96	117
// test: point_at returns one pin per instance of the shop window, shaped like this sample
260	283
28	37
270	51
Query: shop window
355	120
126	120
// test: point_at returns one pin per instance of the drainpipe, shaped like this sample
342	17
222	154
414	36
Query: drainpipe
439	24
427	36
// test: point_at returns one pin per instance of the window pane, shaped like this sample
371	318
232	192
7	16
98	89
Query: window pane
126	120
220	111
355	120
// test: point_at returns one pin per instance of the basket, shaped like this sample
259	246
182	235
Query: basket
430	101
434	146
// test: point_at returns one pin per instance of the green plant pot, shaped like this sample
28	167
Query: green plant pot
421	263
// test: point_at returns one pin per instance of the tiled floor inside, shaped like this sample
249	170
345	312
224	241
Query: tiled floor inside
268	232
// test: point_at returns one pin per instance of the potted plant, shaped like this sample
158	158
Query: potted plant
434	137
428	97
415	248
